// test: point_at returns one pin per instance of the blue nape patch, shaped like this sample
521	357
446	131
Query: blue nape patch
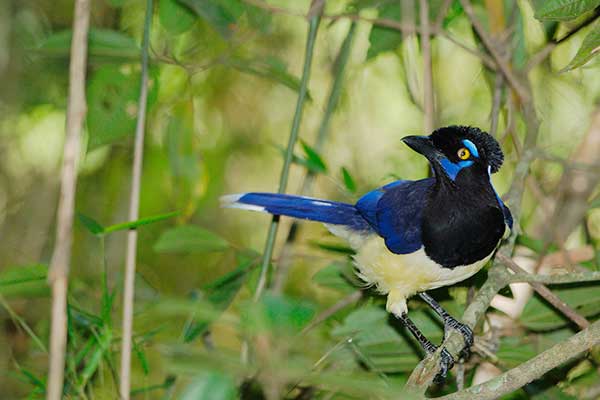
452	169
472	148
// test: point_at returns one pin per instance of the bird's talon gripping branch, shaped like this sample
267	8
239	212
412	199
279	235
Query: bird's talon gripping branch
446	364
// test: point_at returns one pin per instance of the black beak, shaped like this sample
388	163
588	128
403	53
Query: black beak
422	145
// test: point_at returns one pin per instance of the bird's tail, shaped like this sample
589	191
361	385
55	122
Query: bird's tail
328	212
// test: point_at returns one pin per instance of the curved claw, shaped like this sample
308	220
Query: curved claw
446	364
467	334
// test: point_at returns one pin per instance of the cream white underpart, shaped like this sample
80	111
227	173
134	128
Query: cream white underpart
400	276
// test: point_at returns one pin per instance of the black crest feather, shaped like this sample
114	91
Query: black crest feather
486	144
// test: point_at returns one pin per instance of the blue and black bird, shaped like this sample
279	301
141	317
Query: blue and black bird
413	236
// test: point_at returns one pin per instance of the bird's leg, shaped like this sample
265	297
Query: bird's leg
451	323
446	361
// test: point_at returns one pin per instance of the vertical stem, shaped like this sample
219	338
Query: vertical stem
309	179
61	257
134	203
314	17
427	73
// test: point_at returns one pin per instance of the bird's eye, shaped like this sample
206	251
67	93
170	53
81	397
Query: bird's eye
464	153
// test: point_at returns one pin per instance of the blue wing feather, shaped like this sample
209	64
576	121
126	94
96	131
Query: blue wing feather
394	211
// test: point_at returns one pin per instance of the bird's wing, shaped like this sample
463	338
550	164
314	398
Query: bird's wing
395	212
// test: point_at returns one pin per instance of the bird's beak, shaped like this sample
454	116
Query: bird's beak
422	145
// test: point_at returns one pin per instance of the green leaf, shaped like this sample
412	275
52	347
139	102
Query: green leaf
189	239
313	158
270	68
90	224
222	15
210	385
175	17
561	10
349	182
338	276
384	348
286	313
97	229
102	43
383	39
113	95
24	281
221	293
541	316
454	12
589	48
333	247
140	222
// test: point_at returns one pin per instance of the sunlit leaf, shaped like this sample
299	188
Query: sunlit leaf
210	386
539	315
175	17
104	43
313	158
189	239
589	48
561	10
349	182
24	281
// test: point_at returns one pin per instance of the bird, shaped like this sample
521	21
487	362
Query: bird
412	236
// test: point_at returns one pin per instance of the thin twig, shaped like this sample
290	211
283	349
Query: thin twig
547	294
343	303
528	371
428	105
316	11
134	205
495	113
61	257
503	65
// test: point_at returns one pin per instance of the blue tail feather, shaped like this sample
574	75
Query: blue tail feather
329	212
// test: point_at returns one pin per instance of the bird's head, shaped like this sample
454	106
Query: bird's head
454	149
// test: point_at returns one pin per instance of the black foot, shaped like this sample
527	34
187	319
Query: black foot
465	331
446	364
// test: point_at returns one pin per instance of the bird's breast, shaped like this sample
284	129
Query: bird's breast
406	274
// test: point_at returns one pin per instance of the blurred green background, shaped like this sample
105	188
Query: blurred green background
223	90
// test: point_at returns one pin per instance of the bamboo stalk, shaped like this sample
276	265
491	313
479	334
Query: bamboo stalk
134	205
61	256
314	17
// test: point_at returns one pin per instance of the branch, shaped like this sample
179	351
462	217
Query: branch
543	291
61	256
532	369
503	65
315	12
134	206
